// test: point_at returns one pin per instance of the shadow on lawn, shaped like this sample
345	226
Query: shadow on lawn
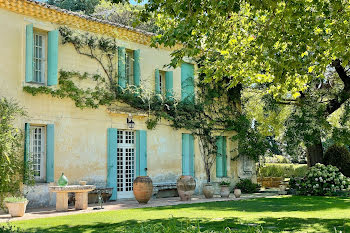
280	204
235	224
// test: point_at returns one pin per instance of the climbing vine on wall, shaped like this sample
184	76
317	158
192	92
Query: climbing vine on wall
216	109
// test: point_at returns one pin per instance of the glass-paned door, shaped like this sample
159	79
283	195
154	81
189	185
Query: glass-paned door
125	163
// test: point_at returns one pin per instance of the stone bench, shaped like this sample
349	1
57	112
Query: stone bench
81	196
166	189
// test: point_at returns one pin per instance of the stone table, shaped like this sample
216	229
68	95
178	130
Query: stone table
81	196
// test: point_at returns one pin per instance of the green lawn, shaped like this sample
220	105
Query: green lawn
303	214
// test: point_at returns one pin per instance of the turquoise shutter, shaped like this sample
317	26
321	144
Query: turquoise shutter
112	161
187	82
219	157
29	53
121	68
224	157
185	155
50	152
141	153
26	141
137	69
52	58
169	84
157	84
191	154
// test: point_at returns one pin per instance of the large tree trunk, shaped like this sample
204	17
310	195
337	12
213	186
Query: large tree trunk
314	153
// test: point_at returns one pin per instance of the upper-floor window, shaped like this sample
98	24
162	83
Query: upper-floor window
162	89
129	66
39	57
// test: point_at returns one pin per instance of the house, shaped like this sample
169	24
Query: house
97	145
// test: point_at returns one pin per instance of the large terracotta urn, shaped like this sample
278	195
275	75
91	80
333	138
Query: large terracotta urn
143	189
208	190
185	187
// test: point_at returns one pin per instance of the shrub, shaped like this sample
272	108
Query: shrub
321	180
246	186
339	156
10	229
276	170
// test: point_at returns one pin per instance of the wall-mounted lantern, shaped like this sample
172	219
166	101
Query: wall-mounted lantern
130	122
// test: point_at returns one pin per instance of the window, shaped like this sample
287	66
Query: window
129	66
162	89
38	151
39	57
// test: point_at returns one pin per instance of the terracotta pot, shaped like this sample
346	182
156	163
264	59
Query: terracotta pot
283	187
17	209
143	189
225	191
208	190
185	187
237	193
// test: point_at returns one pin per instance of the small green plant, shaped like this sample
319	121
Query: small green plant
225	183
246	186
10	229
15	199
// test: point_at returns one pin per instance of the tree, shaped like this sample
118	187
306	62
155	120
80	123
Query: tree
285	47
125	14
11	149
84	6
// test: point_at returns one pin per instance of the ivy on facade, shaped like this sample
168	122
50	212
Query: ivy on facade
216	109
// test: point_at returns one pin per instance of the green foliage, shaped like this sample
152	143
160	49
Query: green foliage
15	199
84	6
276	170
12	169
225	183
247	186
10	229
321	180
338	156
125	14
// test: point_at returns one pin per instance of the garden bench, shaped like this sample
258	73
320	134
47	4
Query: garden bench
81	196
165	189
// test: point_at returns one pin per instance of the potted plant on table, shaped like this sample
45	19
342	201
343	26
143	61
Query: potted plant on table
16	205
225	189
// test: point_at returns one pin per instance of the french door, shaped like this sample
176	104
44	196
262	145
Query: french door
125	163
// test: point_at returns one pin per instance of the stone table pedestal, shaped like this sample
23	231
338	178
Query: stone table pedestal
81	196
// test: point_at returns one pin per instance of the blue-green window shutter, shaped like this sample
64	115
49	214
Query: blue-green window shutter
219	157
50	152
169	84
141	153
157	84
26	141
224	157
187	82
112	161
52	58
191	154
29	53
187	154
137	69
121	68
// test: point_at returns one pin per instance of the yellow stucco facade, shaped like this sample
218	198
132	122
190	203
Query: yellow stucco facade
80	148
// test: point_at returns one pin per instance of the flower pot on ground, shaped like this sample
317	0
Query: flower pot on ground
208	190
16	206
237	193
185	187
143	189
